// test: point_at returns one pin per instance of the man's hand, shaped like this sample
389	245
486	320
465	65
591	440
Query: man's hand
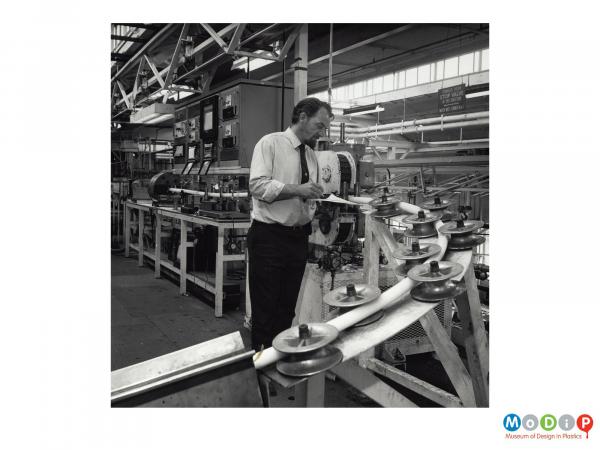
309	190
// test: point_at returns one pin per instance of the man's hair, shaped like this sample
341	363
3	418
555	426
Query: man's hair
310	106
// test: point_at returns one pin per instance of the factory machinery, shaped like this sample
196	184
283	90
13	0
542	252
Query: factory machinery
398	250
213	141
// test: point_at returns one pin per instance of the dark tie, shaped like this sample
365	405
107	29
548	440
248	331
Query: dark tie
303	164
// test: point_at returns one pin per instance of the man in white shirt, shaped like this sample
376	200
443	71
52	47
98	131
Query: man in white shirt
283	184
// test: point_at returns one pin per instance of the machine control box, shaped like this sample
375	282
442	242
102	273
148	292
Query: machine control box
226	123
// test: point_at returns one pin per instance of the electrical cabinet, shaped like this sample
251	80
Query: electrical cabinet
225	124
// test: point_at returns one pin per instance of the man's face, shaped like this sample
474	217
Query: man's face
314	127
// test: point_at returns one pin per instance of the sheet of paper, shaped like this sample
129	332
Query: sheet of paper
335	199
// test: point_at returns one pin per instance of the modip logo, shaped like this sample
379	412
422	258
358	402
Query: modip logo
512	422
547	427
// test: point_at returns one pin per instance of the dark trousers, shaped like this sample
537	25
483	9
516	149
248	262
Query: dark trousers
277	256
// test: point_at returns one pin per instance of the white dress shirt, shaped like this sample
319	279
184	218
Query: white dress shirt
275	163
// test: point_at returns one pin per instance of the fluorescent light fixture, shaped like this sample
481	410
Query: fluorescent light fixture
478	94
155	113
360	110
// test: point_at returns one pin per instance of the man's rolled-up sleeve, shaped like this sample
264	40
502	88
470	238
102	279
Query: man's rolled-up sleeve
262	184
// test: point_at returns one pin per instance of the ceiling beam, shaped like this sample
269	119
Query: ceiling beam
348	48
156	39
146	26
119	37
119	57
197	49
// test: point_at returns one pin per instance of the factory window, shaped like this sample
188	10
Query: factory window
485	61
451	67
359	89
388	82
377	85
439	73
369	87
400	79
465	64
423	74
411	77
477	62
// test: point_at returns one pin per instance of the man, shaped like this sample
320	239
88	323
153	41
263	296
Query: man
283	184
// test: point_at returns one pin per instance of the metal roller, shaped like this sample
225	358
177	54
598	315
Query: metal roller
436	284
305	338
307	364
413	255
461	234
350	296
306	349
436	204
422	224
385	206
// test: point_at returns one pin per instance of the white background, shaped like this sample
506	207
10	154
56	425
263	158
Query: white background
55	316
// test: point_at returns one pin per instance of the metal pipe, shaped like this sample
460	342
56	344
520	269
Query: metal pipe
420	128
415	122
466	141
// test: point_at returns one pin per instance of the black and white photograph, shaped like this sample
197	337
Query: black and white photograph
290	245
300	215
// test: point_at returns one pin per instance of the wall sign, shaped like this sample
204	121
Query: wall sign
452	99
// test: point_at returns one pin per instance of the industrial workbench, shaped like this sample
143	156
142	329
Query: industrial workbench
162	212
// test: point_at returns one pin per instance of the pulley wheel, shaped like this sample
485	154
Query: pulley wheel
422	224
461	227
461	234
386	213
351	295
416	251
369	320
466	242
437	292
436	204
422	217
305	338
312	363
436	284
435	271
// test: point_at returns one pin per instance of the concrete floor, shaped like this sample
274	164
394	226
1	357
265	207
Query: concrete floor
150	318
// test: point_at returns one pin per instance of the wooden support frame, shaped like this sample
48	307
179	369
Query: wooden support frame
371	386
311	392
475	338
449	357
413	383
471	385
